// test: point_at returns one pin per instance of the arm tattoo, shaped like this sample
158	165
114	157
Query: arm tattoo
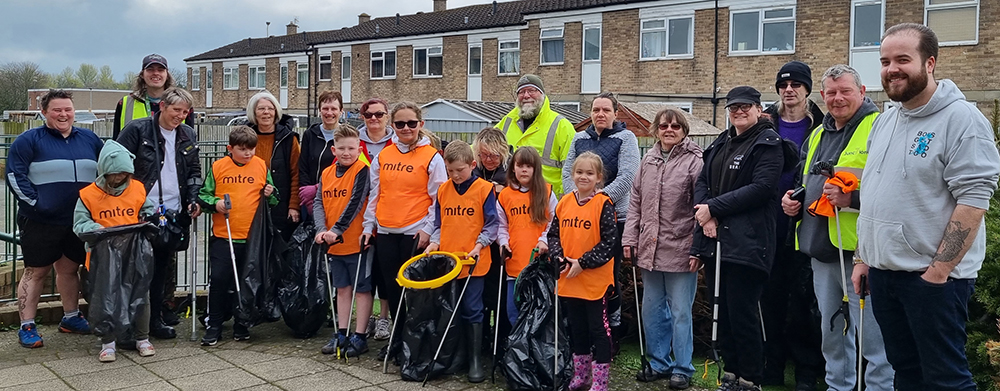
952	243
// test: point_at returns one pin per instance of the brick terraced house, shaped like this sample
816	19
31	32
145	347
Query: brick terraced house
686	52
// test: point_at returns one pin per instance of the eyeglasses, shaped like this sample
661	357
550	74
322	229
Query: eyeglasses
491	156
265	109
528	91
377	114
672	125
406	124
739	107
793	84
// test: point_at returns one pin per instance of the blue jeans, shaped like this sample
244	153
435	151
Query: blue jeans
666	318
923	326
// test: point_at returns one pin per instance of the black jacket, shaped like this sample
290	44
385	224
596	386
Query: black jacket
281	171
746	214
314	156
817	116
137	137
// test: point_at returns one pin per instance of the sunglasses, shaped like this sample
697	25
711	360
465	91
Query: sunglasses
673	125
377	114
794	84
406	124
739	107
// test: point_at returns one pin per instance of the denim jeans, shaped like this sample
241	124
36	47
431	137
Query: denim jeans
923	325
666	318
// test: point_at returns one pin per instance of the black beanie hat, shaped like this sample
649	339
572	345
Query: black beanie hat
795	71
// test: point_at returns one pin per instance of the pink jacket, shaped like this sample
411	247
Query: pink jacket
660	220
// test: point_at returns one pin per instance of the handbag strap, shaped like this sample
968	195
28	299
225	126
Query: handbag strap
159	170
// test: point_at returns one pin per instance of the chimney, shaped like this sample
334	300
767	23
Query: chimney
364	18
440	5
291	29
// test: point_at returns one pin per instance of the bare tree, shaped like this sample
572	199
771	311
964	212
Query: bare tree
16	78
87	74
180	77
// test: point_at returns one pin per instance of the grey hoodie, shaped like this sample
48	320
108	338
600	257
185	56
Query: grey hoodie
921	164
375	146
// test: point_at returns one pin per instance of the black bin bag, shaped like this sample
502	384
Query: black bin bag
528	362
302	288
427	314
259	275
121	269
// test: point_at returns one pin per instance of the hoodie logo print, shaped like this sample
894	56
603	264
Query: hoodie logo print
921	144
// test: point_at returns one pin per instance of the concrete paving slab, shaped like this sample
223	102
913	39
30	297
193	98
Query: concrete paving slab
24	374
224	380
243	357
400	385
368	375
87	364
48	385
330	379
163	353
112	379
268	387
285	368
161	385
187	366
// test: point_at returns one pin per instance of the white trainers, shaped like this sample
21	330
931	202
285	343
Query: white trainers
382	326
107	355
145	348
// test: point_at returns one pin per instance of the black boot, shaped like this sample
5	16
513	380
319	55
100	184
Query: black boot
161	331
476	372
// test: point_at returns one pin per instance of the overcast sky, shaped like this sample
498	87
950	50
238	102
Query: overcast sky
60	33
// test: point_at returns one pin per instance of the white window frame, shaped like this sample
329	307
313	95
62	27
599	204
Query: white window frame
854	5
760	30
928	8
541	44
346	62
253	77
195	79
469	65
428	53
381	57
302	75
501	51
600	43
231	78
666	38
327	60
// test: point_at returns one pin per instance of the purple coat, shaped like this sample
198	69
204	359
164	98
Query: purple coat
660	220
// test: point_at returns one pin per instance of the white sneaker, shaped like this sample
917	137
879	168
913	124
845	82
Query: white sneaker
382	326
145	348
371	325
107	355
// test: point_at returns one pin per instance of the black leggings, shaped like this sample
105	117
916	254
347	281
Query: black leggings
391	251
164	264
588	327
222	285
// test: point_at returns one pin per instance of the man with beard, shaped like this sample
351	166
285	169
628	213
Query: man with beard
933	168
533	123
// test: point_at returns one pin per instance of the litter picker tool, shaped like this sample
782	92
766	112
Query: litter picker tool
395	315
232	252
861	329
646	368
451	319
555	343
826	169
715	314
504	255
193	253
354	294
329	290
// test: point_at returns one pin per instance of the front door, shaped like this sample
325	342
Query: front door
867	21
345	77
474	86
590	80
284	86
208	87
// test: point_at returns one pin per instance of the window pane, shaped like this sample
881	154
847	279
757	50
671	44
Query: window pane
653	24
345	68
377	68
283	77
261	81
654	44
680	33
867	25
390	64
324	71
435	66
302	75
475	60
779	36
208	79
324	58
783	13
420	62
509	45
953	25
510	62
592	44
552	51
551	33
934	2
745	31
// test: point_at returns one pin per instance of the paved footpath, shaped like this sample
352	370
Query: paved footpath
271	360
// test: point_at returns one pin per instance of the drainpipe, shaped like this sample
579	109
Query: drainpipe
310	108
715	73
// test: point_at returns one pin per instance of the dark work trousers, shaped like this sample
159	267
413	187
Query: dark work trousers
615	300
923	326
791	319
164	264
222	285
588	327
490	291
391	251
740	336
